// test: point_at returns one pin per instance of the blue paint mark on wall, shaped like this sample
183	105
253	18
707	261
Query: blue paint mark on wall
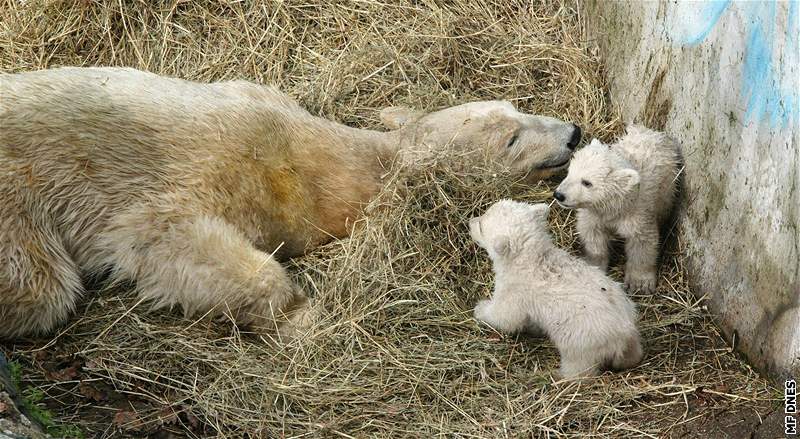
709	13
769	90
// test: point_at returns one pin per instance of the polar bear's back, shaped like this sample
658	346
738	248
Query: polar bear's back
570	298
657	158
84	144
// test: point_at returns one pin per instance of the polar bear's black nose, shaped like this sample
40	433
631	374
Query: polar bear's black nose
576	137
559	196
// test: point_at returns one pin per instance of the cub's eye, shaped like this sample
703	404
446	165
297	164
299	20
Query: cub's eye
512	141
586	183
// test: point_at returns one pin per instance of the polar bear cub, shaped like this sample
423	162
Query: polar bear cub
543	289
627	189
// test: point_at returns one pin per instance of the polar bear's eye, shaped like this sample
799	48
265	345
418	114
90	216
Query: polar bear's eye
586	183
512	141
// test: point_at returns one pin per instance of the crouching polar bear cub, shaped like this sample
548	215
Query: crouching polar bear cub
627	188
543	289
196	191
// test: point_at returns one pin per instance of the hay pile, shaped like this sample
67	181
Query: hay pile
396	353
341	59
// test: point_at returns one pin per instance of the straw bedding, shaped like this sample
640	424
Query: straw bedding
395	352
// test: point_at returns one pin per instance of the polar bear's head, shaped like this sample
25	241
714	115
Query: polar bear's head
508	226
538	146
598	177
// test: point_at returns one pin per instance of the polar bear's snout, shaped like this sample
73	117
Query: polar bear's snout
567	196
561	198
576	137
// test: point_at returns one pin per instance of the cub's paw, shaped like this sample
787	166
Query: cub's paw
573	372
643	282
482	310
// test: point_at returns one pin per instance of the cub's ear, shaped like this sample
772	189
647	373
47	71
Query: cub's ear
627	178
502	246
596	142
397	117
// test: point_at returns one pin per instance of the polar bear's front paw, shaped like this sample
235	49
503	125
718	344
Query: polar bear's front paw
482	310
644	282
299	323
304	318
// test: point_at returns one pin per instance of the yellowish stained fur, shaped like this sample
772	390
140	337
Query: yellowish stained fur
194	191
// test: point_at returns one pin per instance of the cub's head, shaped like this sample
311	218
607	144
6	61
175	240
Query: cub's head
508	226
536	146
597	178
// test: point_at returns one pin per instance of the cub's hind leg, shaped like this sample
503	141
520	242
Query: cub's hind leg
39	281
641	251
628	354
578	362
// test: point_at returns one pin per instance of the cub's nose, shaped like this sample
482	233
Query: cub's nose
559	196
576	137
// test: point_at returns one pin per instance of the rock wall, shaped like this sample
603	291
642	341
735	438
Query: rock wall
723	78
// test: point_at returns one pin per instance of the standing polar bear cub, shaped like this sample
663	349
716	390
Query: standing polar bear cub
627	189
542	288
196	191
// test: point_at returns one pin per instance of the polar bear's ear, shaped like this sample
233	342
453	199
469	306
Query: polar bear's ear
397	117
502	246
627	178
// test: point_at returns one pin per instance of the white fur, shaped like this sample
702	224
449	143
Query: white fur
541	288
632	192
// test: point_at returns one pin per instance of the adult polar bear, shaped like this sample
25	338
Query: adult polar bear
196	191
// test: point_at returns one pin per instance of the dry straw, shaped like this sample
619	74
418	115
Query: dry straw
396	352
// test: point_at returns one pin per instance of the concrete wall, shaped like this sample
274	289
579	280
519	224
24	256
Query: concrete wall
723	78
